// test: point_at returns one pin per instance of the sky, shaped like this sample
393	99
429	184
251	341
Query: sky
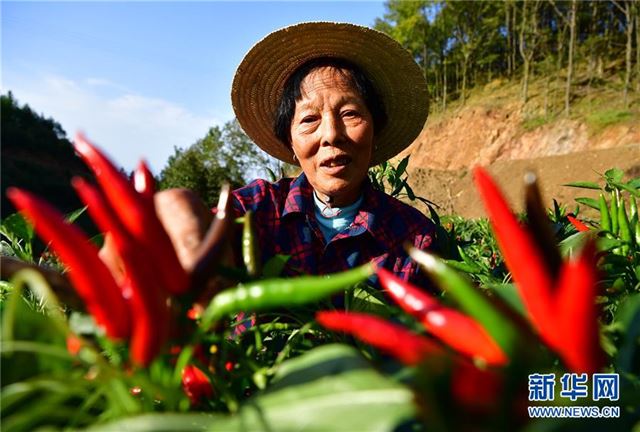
140	78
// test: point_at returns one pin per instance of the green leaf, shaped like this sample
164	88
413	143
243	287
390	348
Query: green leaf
368	300
162	422
357	398
74	215
589	202
15	226
402	166
274	266
509	293
463	266
433	214
569	246
272	176
630	189
320	362
583	185
398	188
20	234
614	175
635	183
410	193
629	317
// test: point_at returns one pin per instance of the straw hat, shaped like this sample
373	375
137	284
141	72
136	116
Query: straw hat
260	78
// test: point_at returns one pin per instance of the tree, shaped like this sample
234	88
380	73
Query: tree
626	8
475	26
529	37
225	154
38	157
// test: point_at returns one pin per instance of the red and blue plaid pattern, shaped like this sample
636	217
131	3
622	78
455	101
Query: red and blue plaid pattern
286	225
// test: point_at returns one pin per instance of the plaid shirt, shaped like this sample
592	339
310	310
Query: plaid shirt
286	224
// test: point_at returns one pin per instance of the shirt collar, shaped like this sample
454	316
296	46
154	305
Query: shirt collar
300	200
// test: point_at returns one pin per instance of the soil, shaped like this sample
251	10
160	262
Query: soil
495	135
453	190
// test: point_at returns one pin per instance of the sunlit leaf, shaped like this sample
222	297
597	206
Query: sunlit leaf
583	185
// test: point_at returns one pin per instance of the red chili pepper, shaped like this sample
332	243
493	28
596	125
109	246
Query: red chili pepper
143	181
523	258
407	347
90	277
578	313
476	390
196	384
577	224
567	319
455	329
138	215
147	289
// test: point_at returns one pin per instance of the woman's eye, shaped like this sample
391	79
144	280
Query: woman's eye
350	114
308	119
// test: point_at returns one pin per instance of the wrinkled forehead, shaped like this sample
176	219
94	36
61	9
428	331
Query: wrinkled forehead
325	77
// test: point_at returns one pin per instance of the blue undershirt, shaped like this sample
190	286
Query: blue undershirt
330	226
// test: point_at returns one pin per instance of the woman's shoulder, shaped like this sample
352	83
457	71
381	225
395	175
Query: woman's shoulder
261	192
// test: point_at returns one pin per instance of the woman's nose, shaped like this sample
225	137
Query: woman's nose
332	130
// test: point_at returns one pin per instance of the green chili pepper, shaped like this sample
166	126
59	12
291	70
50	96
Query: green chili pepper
249	249
214	242
625	230
614	213
633	207
637	232
281	292
605	217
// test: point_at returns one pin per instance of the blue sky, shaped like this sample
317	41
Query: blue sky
142	77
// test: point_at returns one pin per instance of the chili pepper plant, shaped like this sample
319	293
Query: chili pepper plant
153	344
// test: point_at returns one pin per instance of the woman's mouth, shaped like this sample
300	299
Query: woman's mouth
336	163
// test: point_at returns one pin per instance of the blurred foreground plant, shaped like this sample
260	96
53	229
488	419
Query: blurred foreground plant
467	352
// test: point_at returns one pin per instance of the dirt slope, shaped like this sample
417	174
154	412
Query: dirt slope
453	190
492	133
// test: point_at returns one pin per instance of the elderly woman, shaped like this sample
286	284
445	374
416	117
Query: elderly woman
334	99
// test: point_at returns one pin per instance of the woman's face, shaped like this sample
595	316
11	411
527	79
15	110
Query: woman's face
332	135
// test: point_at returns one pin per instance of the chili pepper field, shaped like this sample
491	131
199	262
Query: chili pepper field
531	321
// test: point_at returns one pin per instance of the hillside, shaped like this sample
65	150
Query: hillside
495	129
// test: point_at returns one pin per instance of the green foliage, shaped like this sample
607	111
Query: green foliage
286	373
599	120
461	44
535	122
38	157
225	154
393	180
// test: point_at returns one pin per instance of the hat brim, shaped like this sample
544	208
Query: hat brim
260	78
